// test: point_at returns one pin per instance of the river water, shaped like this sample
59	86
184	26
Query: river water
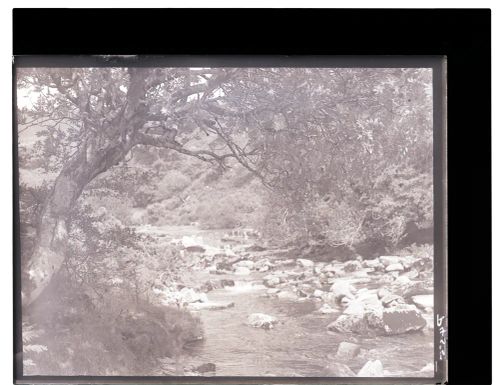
299	345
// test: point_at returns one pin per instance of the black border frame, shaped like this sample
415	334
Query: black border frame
463	36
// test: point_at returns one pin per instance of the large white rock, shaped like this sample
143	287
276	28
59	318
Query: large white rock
389	259
342	289
428	369
244	263
261	320
326	309
349	323
347	350
394	267
188	295
336	369
240	270
271	280
372	263
355	308
423	301
372	369
302	262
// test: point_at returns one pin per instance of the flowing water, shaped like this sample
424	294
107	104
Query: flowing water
299	345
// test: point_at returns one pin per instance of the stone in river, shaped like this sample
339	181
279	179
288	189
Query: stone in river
372	369
210	305
195	249
302	262
351	266
226	282
355	307
402	319
342	289
347	350
372	263
205	368
336	369
261	320
224	266
326	309
255	248
271	280
423	301
428	369
389	259
394	267
242	270
349	323
245	263
392	300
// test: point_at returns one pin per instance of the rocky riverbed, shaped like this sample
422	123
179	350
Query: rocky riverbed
265	314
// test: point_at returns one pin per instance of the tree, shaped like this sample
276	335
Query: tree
95	117
310	135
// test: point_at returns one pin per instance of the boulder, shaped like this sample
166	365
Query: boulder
355	307
261	320
255	248
205	368
240	270
210	305
408	261
226	282
402	319
224	266
372	369
342	289
336	369
382	292
371	263
428	370
370	300
394	267
347	350
245	263
349	323
305	263
330	268
326	309
351	266
423	301
389	259
392	300
318	293
209	286
188	295
195	249
271	280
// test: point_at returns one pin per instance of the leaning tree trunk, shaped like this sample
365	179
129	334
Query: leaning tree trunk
51	245
52	234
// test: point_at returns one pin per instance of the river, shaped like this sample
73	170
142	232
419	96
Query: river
299	345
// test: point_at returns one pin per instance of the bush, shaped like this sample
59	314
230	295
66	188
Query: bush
77	335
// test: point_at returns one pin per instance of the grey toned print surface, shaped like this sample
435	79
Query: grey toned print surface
253	222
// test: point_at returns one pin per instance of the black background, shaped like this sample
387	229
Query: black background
463	35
